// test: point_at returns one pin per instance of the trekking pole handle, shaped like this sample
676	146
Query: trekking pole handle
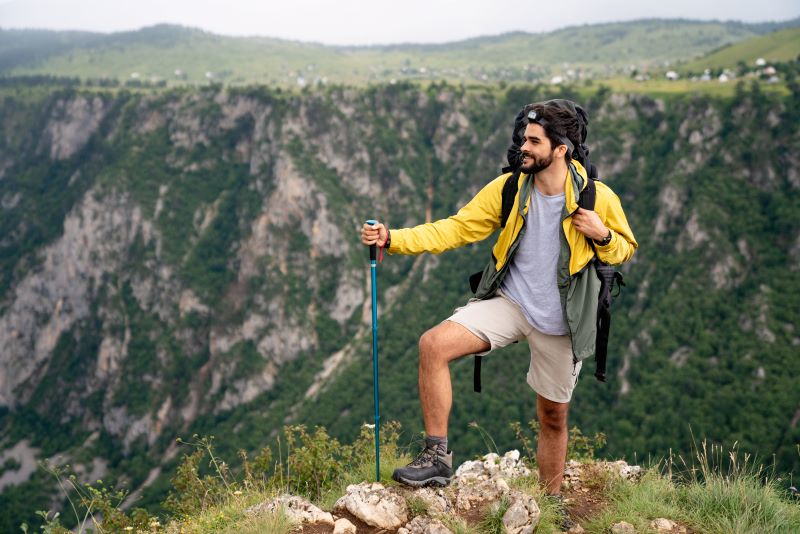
373	250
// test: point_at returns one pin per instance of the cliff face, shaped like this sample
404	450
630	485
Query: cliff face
188	261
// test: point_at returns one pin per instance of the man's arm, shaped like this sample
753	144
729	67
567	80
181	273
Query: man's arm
474	222
609	220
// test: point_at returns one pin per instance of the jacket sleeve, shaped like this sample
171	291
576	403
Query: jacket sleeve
623	243
474	222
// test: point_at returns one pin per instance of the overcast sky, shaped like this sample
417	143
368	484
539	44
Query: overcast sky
372	21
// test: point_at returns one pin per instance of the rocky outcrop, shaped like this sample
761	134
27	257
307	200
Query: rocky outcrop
24	457
424	525
479	482
59	292
375	505
576	473
492	467
72	123
297	509
522	515
477	486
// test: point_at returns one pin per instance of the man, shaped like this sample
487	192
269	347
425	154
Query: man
539	286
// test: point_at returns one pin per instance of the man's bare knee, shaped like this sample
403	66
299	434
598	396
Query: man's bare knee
432	348
428	342
553	415
448	341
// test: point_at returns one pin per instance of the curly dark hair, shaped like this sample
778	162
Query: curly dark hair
560	122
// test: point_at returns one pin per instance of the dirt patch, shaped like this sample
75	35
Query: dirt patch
584	504
361	527
474	515
316	528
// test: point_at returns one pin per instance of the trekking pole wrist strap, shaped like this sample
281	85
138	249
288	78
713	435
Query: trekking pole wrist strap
385	245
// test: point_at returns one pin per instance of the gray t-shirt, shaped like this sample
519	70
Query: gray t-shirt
531	278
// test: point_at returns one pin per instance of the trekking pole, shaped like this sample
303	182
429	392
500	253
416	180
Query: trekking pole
373	265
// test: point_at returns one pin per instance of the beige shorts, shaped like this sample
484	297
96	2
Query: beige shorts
500	322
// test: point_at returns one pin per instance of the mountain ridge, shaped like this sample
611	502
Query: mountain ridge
198	54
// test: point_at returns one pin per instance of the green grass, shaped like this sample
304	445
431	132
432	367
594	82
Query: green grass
456	524
231	518
492	523
416	506
780	46
365	472
707	496
666	88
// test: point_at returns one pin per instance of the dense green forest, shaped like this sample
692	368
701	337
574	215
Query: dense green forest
187	261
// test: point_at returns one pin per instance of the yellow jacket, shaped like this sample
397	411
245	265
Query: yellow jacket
576	277
481	217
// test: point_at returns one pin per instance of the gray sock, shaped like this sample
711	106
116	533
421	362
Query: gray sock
437	442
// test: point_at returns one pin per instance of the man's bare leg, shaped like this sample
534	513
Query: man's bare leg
551	453
437	348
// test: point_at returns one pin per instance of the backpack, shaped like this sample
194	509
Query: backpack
607	274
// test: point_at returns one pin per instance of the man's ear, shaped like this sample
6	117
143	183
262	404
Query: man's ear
560	151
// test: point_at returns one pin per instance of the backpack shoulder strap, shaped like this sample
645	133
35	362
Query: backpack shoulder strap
509	194
588	196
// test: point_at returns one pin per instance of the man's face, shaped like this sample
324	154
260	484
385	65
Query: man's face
537	151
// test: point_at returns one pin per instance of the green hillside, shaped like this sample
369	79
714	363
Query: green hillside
779	46
158	52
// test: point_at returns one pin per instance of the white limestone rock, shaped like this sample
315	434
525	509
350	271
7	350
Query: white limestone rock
374	505
491	466
470	470
474	493
663	525
343	526
522	515
424	525
296	508
628	472
623	527
572	475
435	500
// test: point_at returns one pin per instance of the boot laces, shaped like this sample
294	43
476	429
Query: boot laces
427	456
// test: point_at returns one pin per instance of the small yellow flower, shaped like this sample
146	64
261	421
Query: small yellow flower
237	492
128	528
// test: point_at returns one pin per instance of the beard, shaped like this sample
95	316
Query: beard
538	165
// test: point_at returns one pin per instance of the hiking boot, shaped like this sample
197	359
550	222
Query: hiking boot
430	468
